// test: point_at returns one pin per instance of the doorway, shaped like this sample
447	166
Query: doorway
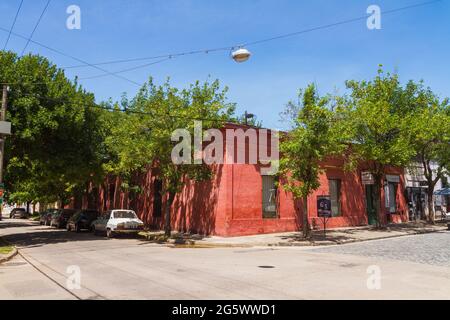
370	205
157	196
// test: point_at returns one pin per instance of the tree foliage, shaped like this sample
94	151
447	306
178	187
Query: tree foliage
429	137
312	139
141	136
55	148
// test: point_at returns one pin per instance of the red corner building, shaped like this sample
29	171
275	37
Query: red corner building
241	200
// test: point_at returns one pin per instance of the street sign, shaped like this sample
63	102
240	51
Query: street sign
367	178
324	207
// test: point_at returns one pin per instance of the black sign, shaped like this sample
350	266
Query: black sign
324	207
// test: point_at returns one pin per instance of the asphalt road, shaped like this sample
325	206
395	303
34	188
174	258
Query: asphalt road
414	267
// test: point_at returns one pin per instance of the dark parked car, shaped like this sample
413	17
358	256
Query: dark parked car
60	218
82	220
19	213
46	217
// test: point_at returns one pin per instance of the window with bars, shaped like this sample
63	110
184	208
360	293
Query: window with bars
269	197
390	191
335	196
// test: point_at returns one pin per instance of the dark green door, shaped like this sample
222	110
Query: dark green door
370	205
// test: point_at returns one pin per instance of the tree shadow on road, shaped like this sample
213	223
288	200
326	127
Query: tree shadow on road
32	235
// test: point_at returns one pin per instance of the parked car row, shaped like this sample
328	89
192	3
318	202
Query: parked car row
110	223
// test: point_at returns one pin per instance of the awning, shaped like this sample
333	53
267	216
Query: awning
443	192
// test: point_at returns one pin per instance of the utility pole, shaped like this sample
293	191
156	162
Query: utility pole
2	142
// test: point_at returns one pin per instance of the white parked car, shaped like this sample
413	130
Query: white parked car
115	222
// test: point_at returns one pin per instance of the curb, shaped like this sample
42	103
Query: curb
305	244
11	255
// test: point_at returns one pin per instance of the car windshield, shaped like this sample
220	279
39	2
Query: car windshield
124	215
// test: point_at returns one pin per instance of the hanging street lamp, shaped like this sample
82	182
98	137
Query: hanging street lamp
241	55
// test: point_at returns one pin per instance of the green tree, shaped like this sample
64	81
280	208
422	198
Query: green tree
55	148
428	131
373	121
143	138
311	140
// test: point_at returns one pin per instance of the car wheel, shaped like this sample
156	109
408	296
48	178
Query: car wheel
109	233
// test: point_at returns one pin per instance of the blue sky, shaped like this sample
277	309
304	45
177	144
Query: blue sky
415	43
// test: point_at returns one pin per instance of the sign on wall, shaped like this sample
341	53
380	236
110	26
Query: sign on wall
367	178
324	207
393	179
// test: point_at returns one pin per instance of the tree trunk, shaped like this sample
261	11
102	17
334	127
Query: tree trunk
28	207
305	223
167	216
431	213
62	202
378	206
116	201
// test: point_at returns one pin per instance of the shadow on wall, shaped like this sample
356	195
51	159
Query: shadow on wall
195	208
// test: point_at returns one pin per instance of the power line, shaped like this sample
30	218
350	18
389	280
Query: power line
13	24
287	35
125	70
129	111
173	55
116	74
36	26
69	56
327	26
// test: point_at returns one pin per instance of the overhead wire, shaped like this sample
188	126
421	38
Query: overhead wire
36	26
174	55
70	56
13	24
124	70
131	111
252	43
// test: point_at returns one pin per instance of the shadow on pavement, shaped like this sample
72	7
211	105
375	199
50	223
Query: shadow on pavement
33	235
10	223
347	234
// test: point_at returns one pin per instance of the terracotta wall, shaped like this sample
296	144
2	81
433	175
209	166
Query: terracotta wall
231	203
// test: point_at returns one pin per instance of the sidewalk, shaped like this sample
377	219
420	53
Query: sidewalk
20	281
333	236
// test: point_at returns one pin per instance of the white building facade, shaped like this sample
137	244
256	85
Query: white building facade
416	192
